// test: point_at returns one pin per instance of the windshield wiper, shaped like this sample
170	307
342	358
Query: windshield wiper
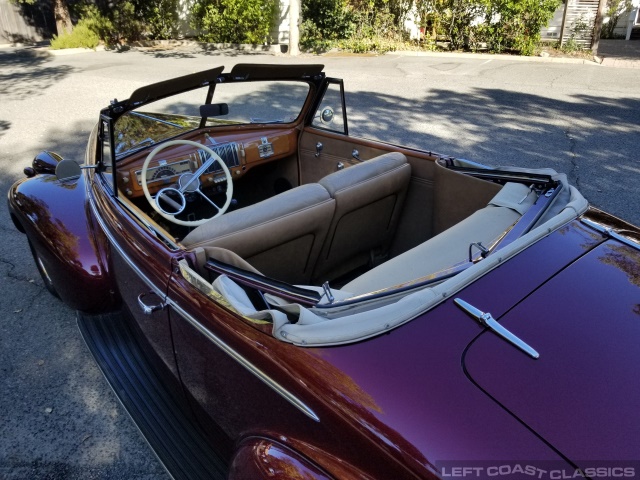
144	115
138	146
262	120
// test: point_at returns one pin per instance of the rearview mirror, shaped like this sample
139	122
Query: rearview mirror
214	110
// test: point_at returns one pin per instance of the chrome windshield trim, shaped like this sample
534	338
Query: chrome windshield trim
283	392
609	232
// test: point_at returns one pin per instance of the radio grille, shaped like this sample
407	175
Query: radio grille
228	152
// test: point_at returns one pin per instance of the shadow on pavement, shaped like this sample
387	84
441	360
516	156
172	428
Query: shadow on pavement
596	147
4	126
24	73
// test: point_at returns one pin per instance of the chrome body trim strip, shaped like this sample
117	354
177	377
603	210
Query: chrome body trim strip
609	232
486	320
291	398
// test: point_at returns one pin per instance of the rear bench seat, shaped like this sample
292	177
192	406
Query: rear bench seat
451	246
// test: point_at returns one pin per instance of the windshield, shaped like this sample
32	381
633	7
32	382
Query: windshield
240	103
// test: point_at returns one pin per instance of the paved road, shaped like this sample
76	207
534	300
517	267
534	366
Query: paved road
58	418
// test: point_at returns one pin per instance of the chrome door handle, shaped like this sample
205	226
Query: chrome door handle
319	148
149	309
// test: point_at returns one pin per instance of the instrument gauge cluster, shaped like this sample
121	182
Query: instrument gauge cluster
165	171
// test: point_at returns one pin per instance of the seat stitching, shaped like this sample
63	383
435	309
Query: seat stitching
362	182
262	223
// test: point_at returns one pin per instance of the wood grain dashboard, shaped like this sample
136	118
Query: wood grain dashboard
240	151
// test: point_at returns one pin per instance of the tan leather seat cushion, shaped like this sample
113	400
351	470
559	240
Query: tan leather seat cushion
280	236
451	246
369	198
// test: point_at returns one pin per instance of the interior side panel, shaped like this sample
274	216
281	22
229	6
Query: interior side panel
266	180
416	221
456	196
336	149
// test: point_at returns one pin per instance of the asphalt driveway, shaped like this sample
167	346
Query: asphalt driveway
58	417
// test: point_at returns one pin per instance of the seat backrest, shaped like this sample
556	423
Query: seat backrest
281	236
451	246
369	198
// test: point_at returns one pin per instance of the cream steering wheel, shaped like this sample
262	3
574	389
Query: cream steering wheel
171	201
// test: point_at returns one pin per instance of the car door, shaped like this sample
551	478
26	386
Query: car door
236	374
140	261
325	145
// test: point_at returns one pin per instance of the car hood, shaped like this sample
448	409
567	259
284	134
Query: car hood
582	395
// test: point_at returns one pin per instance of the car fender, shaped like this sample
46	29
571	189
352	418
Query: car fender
258	457
55	216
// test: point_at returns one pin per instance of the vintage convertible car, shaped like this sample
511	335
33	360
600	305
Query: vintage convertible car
272	298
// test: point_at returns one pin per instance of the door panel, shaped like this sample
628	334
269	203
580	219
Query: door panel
230	370
141	266
335	149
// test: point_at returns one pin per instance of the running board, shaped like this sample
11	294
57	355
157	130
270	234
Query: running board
176	441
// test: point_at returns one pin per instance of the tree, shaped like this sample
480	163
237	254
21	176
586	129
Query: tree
63	17
613	10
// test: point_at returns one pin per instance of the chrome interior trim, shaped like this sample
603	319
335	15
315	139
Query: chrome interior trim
291	398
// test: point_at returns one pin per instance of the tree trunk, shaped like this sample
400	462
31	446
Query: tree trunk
597	29
294	27
63	18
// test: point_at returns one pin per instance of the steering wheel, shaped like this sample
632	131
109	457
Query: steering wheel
171	201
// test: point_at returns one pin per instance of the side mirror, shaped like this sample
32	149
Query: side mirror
67	170
326	116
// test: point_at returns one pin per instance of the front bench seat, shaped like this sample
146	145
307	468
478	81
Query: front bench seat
369	198
281	236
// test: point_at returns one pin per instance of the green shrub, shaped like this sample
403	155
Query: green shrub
234	21
131	20
615	8
325	20
81	37
160	18
521	20
97	22
503	25
312	38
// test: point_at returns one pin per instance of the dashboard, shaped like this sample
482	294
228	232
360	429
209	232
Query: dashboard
240	151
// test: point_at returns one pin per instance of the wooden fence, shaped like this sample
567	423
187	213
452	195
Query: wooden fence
578	22
23	23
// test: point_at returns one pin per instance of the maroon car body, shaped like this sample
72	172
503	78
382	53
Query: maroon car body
437	395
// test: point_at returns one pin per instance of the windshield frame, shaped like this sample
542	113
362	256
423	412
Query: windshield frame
311	74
